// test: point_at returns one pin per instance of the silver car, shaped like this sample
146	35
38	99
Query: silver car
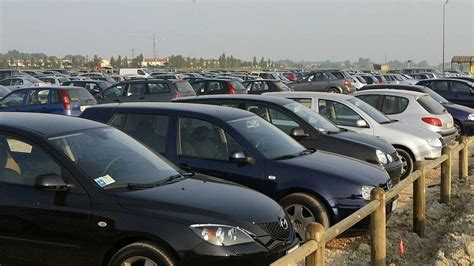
414	108
53	80
412	143
18	82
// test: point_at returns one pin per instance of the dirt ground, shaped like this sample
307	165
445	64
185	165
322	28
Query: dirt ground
449	229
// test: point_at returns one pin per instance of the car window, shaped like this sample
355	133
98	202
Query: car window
140	72
274	116
321	76
201	139
338	74
5	82
38	97
14	98
136	89
431	105
115	91
393	105
184	87
91	87
77	95
259	86
304	101
460	87
149	129
21	162
214	86
370	99
156	88
199	86
310	78
440	86
16	82
338	113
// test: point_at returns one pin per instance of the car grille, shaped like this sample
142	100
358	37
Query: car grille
275	230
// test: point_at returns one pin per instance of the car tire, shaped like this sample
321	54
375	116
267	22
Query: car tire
303	209
139	253
407	163
459	129
333	90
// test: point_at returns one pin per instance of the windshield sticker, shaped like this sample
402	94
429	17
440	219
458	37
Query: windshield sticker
104	180
252	124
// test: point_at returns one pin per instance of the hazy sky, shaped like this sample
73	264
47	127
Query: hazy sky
300	30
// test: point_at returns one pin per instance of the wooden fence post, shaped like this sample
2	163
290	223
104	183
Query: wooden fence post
446	176
378	234
464	158
315	231
419	201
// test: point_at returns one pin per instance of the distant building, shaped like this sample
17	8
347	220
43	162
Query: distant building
104	63
153	62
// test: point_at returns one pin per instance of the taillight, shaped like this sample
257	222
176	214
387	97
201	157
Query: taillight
432	121
65	100
347	82
231	89
178	95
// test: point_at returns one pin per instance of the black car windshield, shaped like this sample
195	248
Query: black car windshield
108	156
266	138
375	114
314	119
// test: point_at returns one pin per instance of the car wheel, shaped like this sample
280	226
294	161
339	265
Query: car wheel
303	209
334	90
407	163
142	253
459	129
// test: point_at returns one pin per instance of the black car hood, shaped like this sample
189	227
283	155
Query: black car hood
203	199
376	143
329	165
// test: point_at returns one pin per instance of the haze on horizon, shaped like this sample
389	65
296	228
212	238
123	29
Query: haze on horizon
282	29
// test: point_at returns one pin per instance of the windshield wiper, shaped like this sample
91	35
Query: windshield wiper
308	151
172	178
290	156
130	186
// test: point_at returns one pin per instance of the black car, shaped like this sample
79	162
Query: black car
259	86
241	147
77	192
218	86
463	116
454	90
146	90
311	129
95	87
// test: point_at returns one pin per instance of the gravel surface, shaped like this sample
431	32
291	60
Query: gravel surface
449	230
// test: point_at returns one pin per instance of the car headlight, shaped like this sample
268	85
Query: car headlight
221	235
381	156
365	191
435	142
470	117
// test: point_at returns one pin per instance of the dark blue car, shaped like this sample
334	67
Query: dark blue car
455	90
52	100
244	148
463	116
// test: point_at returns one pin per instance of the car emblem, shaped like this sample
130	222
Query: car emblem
284	223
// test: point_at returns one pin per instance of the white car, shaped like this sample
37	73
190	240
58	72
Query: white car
412	143
414	108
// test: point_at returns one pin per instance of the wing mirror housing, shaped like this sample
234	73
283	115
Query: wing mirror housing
51	182
298	133
362	123
241	158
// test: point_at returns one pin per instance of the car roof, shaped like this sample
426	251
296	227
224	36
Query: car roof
52	88
258	80
393	92
314	94
447	79
220	112
45	124
395	86
249	97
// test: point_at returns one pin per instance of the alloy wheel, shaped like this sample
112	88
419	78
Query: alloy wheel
300	217
139	261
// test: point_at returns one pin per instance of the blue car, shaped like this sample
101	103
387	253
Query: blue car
455	90
53	100
463	116
242	147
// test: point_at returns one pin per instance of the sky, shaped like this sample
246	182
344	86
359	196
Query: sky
314	30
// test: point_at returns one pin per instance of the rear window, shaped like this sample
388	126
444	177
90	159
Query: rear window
281	86
338	75
77	95
431	105
237	85
184	87
360	79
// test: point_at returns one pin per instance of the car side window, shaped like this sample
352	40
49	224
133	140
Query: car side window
38	97
136	89
156	88
199	86
150	129
279	119
17	82
140	72
14	99
338	113
310	77
460	87
201	139
440	86
116	91
6	82
214	86
394	105
259	86
370	99
304	101
21	162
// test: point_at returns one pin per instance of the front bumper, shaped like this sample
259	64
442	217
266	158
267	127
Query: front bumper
427	152
468	127
394	170
244	254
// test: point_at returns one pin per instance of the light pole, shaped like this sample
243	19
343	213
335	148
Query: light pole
444	19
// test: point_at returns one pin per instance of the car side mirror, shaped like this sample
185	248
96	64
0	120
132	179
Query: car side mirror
298	133
51	182
241	158
361	123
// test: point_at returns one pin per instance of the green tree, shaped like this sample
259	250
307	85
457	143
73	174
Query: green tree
119	62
